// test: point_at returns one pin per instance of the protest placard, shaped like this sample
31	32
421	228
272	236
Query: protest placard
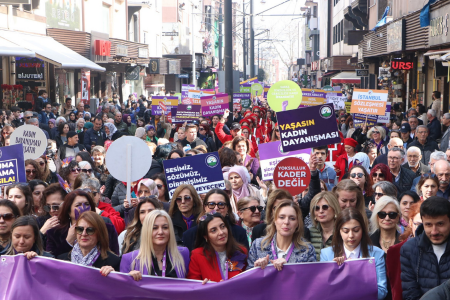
257	89
196	95
359	119
371	102
312	97
202	171
186	113
237	107
308	127
168	101
292	174
337	100
284	95
348	106
12	165
185	90
33	140
245	88
214	104
270	154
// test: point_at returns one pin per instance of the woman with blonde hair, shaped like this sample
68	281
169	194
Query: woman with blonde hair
375	137
384	223
158	254
284	241
325	208
349	194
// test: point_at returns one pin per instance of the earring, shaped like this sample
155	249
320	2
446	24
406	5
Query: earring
315	219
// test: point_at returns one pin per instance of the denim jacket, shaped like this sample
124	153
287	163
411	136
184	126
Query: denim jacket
328	175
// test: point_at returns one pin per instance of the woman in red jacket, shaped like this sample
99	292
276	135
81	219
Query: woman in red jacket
217	256
345	162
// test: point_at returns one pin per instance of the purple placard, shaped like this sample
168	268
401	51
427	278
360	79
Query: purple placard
219	109
170	102
241	95
185	90
270	154
186	113
308	127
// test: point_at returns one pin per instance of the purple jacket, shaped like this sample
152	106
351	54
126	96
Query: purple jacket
127	259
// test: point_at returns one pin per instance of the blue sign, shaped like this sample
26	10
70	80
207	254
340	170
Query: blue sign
12	165
202	171
183	75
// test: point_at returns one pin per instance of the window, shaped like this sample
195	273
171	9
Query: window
106	18
335	2
338	32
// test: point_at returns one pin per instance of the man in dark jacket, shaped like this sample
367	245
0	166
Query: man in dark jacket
95	135
434	126
413	163
441	292
191	137
18	121
425	259
120	124
40	101
403	177
45	115
382	159
71	148
405	132
424	143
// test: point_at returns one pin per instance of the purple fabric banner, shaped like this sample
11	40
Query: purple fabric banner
44	278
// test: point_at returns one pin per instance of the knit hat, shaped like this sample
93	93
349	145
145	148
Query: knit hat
350	142
71	134
88	125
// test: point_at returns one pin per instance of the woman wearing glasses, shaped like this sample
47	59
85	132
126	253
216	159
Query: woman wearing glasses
6	131
351	241
25	238
20	194
161	184
383	188
284	241
184	209
9	212
37	187
130	238
325	208
249	212
376	136
48	176
70	172
158	254
380	172
428	186
51	201
217	256
205	134
384	223
32	170
219	201
61	238
360	176
91	247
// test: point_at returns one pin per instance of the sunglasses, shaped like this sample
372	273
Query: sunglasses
49	208
360	175
382	215
342	121
429	175
211	213
75	170
201	129
377	132
253	208
159	186
186	199
324	207
378	194
6	133
378	175
277	130
256	111
7	217
86	171
42	163
212	205
27	118
30	171
89	230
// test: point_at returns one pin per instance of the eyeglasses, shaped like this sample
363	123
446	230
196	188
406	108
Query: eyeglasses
324	207
49	208
201	129
7	217
429	175
382	215
89	230
86	171
30	171
378	175
253	208
360	175
212	205
27	118
342	121
159	186
6	133
277	130
42	163
186	199
256	111
378	194
75	170
393	158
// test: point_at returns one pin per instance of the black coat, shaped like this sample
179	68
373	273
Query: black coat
405	181
441	292
179	226
112	260
421	270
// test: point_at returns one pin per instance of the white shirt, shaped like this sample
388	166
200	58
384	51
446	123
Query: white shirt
439	250
281	253
352	254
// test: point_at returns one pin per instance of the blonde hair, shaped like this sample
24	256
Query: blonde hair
378	128
379	205
332	200
146	249
271	229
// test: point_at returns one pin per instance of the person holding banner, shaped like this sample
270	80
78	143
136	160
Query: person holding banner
284	242
91	246
158	254
351	241
9	212
217	256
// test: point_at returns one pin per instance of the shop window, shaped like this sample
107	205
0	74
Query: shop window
106	18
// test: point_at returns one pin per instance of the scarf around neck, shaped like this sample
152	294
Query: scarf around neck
88	260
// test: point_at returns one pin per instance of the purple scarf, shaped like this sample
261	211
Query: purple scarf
189	221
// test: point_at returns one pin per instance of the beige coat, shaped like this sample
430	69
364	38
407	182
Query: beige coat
437	108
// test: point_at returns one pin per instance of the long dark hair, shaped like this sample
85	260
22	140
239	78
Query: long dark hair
135	227
208	251
36	167
64	211
343	217
26	191
38	245
162	177
12	206
65	171
368	184
230	215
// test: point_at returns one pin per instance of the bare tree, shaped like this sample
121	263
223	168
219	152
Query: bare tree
288	48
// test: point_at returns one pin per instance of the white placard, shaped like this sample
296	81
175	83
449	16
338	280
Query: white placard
33	140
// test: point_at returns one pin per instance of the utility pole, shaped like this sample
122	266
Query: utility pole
252	42
220	37
194	78
244	40
229	52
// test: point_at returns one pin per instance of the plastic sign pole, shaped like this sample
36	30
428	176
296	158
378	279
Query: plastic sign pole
129	173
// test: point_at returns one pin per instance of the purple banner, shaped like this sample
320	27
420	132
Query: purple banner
212	110
186	113
308	127
270	154
168	101
40	277
241	95
185	90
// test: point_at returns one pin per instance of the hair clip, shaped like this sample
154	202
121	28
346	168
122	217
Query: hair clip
66	161
211	213
63	183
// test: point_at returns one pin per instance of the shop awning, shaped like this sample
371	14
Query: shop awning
331	73
445	57
49	50
346	77
437	54
10	49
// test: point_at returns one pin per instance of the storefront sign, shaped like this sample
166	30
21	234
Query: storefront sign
63	14
170	34
439	31
215	104
369	102
85	86
12	165
396	36
308	127
313	97
143	52
362	73
121	50
154	66
183	75
132	73
402	64
102	48
29	68
292	174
